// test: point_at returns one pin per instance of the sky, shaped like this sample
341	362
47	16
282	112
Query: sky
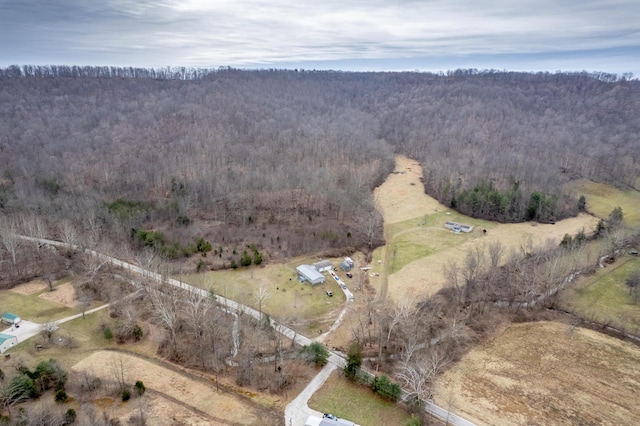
356	35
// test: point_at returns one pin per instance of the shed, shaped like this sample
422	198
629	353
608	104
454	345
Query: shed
7	341
323	266
309	273
347	264
11	319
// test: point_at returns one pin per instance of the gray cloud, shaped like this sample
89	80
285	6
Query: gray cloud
273	33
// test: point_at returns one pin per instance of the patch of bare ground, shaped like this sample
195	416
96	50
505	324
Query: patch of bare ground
63	294
30	287
173	388
576	376
401	196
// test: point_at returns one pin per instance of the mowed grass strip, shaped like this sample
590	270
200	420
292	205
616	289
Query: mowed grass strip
357	403
604	297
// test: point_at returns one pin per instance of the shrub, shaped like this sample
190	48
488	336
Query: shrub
317	353
70	416
140	388
108	334
245	259
200	266
61	396
126	395
386	388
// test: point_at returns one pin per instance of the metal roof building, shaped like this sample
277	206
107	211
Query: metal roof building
309	273
7	341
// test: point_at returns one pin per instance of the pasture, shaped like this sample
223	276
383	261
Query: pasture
418	245
602	199
604	297
546	373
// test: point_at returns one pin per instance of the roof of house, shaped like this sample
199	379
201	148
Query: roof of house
5	337
9	316
309	272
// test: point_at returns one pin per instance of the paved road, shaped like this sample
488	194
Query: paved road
334	357
297	411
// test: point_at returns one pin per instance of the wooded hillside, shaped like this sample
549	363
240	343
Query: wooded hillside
287	160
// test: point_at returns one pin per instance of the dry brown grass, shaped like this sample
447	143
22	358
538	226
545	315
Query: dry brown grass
63	294
576	376
401	198
171	386
30	287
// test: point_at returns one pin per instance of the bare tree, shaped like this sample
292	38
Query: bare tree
166	312
261	295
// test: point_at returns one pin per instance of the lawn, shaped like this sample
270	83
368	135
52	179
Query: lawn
33	308
604	296
87	336
602	199
306	308
357	403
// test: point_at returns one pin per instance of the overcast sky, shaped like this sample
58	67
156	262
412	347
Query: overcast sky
427	35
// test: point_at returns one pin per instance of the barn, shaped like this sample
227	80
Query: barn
309	273
7	341
10	319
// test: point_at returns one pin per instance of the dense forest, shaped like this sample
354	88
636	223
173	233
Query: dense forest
285	162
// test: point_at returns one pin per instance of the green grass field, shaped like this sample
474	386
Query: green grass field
306	308
33	308
357	403
605	298
602	199
421	237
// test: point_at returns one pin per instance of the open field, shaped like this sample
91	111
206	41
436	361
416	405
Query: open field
602	199
306	308
576	376
419	246
604	296
219	406
357	403
32	307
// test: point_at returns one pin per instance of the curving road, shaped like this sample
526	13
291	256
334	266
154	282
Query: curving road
296	411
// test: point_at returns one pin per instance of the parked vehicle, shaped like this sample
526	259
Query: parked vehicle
349	274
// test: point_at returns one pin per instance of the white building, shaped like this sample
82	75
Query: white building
309	273
323	266
7	341
458	227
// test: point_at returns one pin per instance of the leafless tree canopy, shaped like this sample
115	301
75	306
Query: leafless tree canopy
287	160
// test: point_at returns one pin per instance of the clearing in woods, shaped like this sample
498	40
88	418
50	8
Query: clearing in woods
577	376
418	245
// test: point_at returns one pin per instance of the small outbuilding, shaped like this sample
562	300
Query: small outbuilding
458	227
10	319
323	266
347	264
309	273
7	341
